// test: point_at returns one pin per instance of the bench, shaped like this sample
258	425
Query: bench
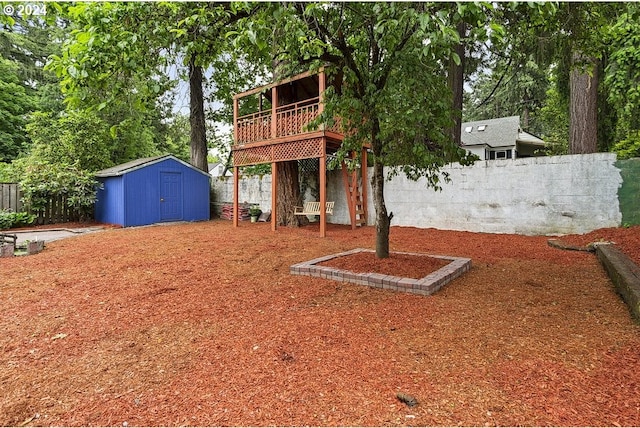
313	208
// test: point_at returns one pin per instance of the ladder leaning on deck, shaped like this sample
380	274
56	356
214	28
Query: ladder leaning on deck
355	198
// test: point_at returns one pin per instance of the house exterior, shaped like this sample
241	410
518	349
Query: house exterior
152	190
216	169
501	138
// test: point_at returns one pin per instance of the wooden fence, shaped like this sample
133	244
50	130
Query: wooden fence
55	211
10	197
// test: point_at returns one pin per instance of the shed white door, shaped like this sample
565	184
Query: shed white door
170	196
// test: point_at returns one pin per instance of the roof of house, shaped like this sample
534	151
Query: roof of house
133	165
500	132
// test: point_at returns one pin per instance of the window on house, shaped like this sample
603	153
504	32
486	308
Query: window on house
500	154
482	127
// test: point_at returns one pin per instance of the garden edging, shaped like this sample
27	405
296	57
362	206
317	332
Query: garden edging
624	274
424	286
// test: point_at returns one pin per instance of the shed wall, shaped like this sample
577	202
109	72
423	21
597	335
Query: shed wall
142	196
110	201
143	193
133	199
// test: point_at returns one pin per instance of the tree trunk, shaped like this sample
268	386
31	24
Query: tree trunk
288	194
382	219
377	183
196	117
525	117
288	176
455	81
583	90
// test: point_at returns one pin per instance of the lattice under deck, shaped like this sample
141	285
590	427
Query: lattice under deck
280	152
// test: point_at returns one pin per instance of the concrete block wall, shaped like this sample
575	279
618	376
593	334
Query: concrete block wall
252	190
531	196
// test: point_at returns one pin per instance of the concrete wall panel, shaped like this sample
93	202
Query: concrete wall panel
531	196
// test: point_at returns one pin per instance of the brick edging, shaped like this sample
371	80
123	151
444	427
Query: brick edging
424	286
624	274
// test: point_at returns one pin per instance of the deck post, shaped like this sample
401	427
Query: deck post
274	111
322	85
323	191
274	195
235	120
236	179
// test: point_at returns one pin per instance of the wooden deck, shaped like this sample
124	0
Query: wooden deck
260	140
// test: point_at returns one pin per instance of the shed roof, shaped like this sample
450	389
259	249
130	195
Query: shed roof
133	165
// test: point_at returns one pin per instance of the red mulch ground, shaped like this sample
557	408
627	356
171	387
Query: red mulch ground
201	324
397	264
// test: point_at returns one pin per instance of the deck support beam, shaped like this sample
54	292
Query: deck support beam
323	194
236	180
274	195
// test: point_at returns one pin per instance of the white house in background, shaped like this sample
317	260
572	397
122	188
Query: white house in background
216	169
500	139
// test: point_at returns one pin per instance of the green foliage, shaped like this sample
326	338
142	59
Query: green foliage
260	170
9	173
554	120
509	90
25	44
395	83
79	137
176	137
107	54
117	58
10	219
254	210
42	181
15	104
389	62
622	78
629	147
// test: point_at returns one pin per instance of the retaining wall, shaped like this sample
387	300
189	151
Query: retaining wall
531	196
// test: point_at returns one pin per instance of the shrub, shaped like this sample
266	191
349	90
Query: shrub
10	219
43	181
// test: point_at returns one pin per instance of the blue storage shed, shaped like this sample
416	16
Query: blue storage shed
152	190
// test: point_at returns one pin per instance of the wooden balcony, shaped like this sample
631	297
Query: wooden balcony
291	120
261	139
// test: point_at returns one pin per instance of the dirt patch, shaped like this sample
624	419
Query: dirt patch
202	324
402	265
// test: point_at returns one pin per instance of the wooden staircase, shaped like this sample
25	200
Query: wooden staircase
356	198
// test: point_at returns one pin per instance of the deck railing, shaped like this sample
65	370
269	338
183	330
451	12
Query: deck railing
253	127
291	119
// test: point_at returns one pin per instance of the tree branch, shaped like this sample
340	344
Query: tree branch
495	88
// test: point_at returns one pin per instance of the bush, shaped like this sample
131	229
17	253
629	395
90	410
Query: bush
43	181
629	147
10	219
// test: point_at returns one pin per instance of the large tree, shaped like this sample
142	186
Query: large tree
512	75
120	46
393	58
622	79
25	44
15	104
